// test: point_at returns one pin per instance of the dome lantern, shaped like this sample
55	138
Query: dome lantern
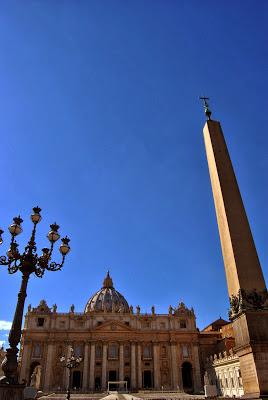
108	282
107	299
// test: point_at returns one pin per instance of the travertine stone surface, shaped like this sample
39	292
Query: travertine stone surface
142	348
241	260
245	281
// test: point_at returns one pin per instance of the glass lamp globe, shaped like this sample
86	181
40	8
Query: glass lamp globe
64	247
15	228
36	217
53	235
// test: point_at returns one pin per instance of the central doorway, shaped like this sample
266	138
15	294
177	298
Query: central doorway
112	376
76	380
187	377
147	379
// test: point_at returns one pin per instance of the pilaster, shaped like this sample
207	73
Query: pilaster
133	365
104	367
92	367
174	364
139	373
197	374
121	362
156	365
85	367
25	362
48	369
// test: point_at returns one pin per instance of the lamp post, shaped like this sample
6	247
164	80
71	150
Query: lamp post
27	263
71	362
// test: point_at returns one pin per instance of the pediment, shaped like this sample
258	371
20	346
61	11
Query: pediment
113	326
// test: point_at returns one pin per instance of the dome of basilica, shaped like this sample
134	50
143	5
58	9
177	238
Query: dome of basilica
107	299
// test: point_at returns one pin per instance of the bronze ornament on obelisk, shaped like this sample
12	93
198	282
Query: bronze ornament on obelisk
245	281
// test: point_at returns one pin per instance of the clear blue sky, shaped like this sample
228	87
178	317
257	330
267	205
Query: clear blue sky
101	126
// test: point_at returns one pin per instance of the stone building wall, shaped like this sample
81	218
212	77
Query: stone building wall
224	372
148	350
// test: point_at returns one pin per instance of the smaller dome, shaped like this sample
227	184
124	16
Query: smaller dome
107	299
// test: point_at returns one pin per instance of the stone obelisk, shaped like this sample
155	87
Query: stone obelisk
245	281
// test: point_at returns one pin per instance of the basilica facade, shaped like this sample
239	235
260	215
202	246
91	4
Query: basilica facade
116	343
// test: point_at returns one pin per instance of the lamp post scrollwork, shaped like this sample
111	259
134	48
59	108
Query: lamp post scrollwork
70	363
27	262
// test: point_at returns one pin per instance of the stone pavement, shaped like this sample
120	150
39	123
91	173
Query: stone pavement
120	396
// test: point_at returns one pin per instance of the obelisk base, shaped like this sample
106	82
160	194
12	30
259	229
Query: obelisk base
11	392
251	338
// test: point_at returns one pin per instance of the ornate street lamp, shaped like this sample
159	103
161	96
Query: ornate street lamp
71	362
27	262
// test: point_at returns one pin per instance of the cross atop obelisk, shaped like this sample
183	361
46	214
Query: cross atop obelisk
206	106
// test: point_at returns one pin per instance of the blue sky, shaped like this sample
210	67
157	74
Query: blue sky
101	126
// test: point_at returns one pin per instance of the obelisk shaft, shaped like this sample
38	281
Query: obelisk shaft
242	266
245	281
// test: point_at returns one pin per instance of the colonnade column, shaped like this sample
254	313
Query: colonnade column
174	363
121	362
92	367
48	366
85	368
104	367
156	365
133	366
139	377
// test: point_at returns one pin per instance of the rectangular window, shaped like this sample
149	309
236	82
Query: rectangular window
147	351
40	321
185	350
37	350
98	351
113	351
183	324
145	324
78	350
126	351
